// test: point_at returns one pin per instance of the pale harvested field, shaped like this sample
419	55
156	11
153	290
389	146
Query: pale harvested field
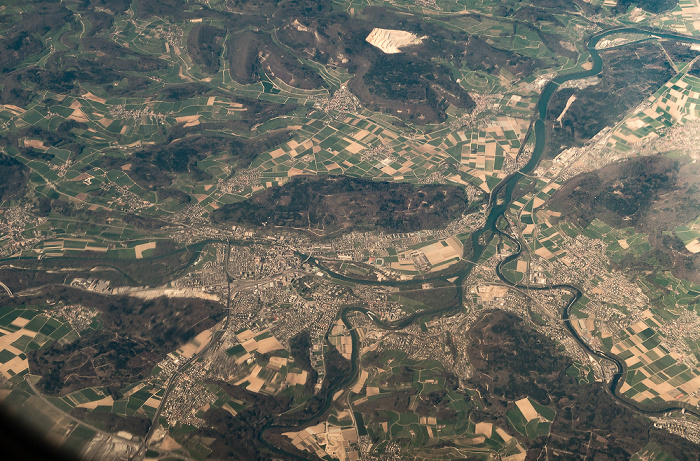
169	444
682	392
277	153
228	408
20	322
92	97
297	378
504	435
277	362
694	246
245	335
79	116
346	347
12	108
256	384
360	135
437	253
360	382
187	118
350	435
354	148
268	345
484	429
250	345
143	247
16	364
544	252
526	409
338	328
107	401
35	143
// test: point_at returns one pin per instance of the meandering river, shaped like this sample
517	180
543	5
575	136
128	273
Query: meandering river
500	200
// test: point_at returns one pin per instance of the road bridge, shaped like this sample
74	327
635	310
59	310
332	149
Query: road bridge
7	289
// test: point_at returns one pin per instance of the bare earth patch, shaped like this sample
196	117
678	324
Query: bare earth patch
391	41
143	247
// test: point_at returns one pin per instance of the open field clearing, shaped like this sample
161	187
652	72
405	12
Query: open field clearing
690	235
531	419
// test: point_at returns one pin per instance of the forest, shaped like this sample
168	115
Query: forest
336	202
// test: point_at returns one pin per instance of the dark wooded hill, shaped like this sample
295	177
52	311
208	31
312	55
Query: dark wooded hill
513	361
331	203
653	194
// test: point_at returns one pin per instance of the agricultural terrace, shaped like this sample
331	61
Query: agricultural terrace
29	328
263	363
677	102
655	373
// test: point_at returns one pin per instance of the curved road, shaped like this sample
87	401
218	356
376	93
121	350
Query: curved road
7	289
